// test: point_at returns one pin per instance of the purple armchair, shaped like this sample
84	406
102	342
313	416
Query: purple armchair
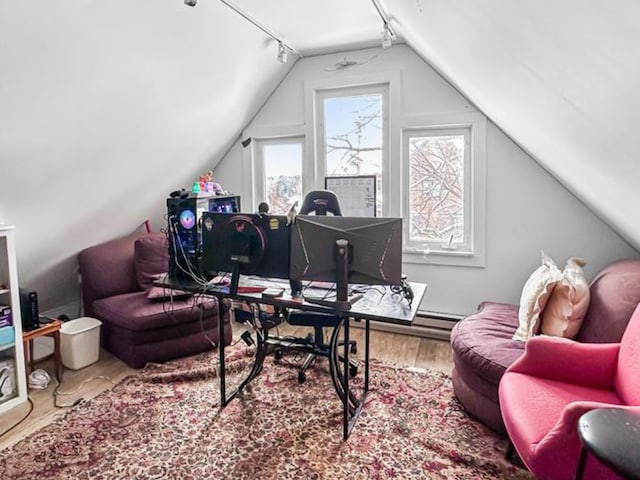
117	289
544	393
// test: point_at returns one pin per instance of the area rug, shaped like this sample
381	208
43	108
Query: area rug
165	423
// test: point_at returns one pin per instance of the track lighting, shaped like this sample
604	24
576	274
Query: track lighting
282	53
190	3
386	36
283	48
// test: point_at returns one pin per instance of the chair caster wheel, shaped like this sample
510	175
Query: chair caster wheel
277	354
353	371
301	377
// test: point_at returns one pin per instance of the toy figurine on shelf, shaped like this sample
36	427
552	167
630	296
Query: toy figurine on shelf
206	182
208	185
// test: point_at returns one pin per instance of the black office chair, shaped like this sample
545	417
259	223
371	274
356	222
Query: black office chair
319	202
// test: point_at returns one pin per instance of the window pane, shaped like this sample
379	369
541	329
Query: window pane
283	175
353	140
436	189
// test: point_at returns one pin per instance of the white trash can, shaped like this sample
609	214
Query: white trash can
80	342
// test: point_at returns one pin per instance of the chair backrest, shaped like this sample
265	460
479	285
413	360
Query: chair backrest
627	382
320	202
615	293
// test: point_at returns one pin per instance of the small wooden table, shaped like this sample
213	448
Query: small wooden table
47	330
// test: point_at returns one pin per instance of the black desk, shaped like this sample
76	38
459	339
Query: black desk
613	436
378	303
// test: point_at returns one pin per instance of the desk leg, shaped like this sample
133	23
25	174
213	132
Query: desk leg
367	325
345	382
339	370
258	361
223	387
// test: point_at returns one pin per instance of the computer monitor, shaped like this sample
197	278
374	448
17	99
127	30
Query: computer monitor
374	253
249	244
225	204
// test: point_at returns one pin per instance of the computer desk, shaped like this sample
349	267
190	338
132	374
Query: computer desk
379	303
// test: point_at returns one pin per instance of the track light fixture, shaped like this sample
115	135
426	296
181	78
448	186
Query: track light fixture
283	48
387	35
282	53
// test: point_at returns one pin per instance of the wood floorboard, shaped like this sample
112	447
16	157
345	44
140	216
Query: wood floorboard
86	383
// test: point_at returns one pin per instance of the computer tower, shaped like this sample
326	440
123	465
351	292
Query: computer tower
29	310
184	216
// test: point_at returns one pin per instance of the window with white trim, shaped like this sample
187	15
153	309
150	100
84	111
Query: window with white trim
279	172
352	132
444	189
438	190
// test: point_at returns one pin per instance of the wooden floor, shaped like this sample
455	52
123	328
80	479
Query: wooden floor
88	382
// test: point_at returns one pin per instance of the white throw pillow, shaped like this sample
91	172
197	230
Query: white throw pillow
535	295
568	303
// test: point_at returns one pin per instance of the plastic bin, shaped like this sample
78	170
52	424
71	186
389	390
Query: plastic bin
80	342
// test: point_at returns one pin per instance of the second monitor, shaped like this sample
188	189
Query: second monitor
375	249
250	244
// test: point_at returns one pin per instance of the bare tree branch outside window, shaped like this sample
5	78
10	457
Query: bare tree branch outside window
354	137
436	188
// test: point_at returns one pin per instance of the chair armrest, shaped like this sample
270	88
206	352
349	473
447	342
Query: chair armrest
555	358
567	425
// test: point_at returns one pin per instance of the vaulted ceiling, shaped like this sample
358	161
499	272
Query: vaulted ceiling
142	96
560	79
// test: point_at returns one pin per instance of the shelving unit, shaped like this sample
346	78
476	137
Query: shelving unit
11	350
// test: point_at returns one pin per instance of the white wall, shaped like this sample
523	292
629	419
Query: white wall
105	108
527	210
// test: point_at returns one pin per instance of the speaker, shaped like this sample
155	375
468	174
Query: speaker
29	310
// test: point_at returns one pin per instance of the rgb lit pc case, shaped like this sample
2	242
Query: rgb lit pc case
184	217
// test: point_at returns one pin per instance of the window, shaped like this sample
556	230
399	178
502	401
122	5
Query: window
438	183
352	132
445	189
279	167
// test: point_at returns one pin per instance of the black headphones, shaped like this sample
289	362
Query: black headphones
182	193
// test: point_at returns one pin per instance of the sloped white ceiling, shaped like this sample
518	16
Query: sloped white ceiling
105	108
318	26
561	79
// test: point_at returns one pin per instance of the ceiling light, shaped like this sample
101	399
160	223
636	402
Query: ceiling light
190	3
283	47
282	53
386	36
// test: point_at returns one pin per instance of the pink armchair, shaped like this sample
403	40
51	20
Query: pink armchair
544	393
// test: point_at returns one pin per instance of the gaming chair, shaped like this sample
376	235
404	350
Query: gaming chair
318	202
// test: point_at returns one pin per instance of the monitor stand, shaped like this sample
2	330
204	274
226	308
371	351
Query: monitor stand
235	278
342	301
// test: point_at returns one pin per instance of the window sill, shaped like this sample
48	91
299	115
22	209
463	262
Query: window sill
456	258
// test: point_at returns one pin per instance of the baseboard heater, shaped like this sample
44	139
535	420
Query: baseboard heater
427	324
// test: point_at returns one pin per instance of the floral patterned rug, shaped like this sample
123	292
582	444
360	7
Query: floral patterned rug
165	423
